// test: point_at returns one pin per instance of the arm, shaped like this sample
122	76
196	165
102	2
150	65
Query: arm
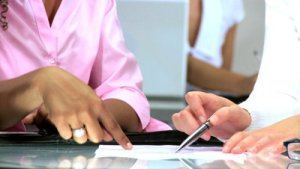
227	49
116	77
18	97
207	76
123	112
278	75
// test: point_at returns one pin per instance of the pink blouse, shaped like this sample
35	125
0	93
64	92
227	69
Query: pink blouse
85	39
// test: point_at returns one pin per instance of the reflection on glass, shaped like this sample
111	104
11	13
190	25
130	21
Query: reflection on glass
294	151
79	157
294	166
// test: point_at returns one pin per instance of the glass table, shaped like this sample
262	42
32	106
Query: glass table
82	156
34	151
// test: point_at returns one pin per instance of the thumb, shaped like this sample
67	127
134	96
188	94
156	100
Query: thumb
220	116
29	119
235	115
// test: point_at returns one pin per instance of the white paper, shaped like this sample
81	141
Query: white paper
147	152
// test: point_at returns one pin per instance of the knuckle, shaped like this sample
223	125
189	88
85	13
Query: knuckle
85	114
97	107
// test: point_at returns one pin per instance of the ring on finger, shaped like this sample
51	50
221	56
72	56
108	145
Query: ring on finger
80	132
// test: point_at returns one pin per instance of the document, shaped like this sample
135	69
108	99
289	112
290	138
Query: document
149	152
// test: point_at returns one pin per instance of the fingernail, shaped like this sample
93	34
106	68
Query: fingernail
206	137
236	150
225	149
213	118
129	145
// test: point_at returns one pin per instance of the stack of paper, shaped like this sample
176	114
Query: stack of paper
147	152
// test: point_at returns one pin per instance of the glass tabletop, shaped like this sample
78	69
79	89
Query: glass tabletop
83	156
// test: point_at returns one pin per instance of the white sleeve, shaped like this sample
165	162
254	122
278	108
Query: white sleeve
238	12
277	91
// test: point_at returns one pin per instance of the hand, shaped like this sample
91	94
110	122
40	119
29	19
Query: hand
269	139
70	104
225	116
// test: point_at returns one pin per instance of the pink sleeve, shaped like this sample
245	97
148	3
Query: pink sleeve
157	125
19	127
115	73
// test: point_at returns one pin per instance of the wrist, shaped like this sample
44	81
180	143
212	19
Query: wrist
25	95
248	118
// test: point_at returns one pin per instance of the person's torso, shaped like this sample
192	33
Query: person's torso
72	42
218	16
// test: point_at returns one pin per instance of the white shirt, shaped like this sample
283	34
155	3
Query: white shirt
218	16
277	91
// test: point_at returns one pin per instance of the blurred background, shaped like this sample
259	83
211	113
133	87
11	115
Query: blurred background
157	32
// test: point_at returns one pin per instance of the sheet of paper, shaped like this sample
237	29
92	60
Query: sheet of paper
148	152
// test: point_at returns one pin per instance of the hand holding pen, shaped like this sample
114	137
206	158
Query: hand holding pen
225	116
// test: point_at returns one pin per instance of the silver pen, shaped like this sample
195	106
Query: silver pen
195	136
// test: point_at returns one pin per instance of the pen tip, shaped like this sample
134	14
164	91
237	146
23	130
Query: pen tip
178	150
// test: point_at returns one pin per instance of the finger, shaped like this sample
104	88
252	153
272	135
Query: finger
224	114
195	103
206	136
76	125
262	143
114	129
63	129
243	145
29	119
279	148
181	125
233	141
186	122
94	131
107	136
177	121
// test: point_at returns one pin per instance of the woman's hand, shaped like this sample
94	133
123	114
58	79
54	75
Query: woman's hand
268	139
225	116
70	104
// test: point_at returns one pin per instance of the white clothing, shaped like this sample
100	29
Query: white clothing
277	91
218	16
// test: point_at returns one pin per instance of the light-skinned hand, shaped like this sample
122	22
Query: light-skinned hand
226	117
269	139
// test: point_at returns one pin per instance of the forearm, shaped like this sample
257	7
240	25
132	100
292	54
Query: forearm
228	47
291	125
18	97
124	115
207	76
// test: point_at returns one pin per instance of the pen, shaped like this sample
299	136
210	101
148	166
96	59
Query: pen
195	136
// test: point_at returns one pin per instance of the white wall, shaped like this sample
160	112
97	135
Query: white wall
250	38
